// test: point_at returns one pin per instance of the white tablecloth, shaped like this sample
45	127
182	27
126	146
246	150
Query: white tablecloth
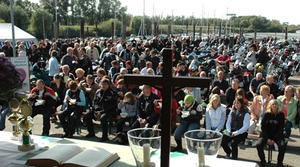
9	153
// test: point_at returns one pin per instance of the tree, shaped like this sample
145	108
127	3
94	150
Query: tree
41	22
27	6
20	16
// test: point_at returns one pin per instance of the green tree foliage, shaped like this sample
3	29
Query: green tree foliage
21	17
41	19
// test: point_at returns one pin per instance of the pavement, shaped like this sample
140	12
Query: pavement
246	153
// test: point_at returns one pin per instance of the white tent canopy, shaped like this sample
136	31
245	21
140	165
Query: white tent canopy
20	35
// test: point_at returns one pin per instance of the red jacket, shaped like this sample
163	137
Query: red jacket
48	92
223	58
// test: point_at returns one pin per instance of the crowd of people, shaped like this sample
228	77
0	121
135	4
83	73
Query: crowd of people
86	84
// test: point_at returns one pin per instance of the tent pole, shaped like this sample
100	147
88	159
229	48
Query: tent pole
12	27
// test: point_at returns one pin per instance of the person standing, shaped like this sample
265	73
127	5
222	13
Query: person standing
53	64
69	60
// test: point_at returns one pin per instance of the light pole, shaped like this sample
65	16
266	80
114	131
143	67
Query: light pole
12	27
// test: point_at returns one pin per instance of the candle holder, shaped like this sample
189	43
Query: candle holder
14	117
25	124
203	146
145	146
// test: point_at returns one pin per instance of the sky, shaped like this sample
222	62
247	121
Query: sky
272	9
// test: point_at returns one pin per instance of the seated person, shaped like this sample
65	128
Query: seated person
220	82
66	74
224	59
259	106
241	92
231	91
191	114
254	83
288	105
100	74
147	117
128	109
89	88
79	75
215	114
236	128
43	101
272	133
75	105
105	105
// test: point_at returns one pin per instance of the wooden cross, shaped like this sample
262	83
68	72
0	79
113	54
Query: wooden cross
168	83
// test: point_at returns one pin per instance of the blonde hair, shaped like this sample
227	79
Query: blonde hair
80	71
269	108
212	99
265	88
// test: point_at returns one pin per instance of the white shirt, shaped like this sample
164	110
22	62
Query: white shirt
215	117
144	71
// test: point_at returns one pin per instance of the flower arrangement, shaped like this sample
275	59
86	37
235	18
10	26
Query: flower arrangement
10	79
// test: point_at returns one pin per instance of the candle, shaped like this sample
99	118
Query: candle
146	150
201	160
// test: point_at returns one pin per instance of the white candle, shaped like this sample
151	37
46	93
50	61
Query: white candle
201	160
146	150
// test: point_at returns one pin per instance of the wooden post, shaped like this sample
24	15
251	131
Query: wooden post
208	26
124	31
112	31
82	29
194	31
241	31
254	33
200	33
169	29
286	33
220	30
166	109
187	29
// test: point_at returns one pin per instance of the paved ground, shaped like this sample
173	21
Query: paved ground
247	153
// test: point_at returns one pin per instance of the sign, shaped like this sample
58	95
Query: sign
21	64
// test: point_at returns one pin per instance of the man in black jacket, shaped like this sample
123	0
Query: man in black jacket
84	62
220	82
7	49
105	105
273	87
147	117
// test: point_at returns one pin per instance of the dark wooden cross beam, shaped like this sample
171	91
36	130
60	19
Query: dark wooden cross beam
168	83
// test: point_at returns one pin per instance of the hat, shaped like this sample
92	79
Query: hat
189	98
